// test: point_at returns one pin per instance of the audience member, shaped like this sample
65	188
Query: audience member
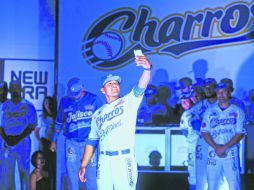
75	112
45	133
18	120
164	95
223	128
151	108
39	178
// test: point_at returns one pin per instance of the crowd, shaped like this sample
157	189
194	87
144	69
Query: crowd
99	138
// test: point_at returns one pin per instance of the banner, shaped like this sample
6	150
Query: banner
37	78
197	40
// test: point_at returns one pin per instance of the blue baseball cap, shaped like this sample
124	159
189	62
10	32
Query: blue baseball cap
209	81
74	86
184	83
229	82
111	77
150	90
185	95
222	85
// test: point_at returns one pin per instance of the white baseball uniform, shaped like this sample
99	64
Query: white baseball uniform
114	126
201	148
186	122
222	126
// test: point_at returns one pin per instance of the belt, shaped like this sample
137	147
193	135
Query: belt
116	152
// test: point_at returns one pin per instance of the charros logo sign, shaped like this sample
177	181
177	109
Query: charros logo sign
109	42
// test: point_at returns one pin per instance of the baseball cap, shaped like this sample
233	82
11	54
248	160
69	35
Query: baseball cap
229	82
222	86
184	82
150	90
74	86
184	95
197	89
209	81
111	77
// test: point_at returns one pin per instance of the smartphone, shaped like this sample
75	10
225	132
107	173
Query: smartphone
138	52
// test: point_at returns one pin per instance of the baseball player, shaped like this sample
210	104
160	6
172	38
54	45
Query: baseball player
113	129
75	111
18	120
222	129
201	147
189	124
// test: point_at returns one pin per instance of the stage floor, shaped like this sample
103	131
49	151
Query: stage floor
178	181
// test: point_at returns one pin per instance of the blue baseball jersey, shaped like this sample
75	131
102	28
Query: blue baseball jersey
16	117
76	115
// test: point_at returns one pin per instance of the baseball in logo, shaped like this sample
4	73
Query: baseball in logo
107	46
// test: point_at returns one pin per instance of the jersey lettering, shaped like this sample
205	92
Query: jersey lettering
225	121
78	115
108	116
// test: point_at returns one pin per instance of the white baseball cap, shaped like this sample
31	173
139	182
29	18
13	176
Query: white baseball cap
111	77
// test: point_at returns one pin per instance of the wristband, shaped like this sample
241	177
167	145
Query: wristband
149	69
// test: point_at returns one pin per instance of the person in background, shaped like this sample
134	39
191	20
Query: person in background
151	107
45	133
39	178
18	120
75	112
3	98
164	95
197	94
250	107
233	99
113	130
185	86
201	147
190	126
223	128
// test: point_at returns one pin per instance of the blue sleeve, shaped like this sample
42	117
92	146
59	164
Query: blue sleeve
93	143
138	91
32	115
60	119
185	132
196	124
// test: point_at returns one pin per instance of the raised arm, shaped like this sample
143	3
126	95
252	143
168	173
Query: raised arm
142	61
